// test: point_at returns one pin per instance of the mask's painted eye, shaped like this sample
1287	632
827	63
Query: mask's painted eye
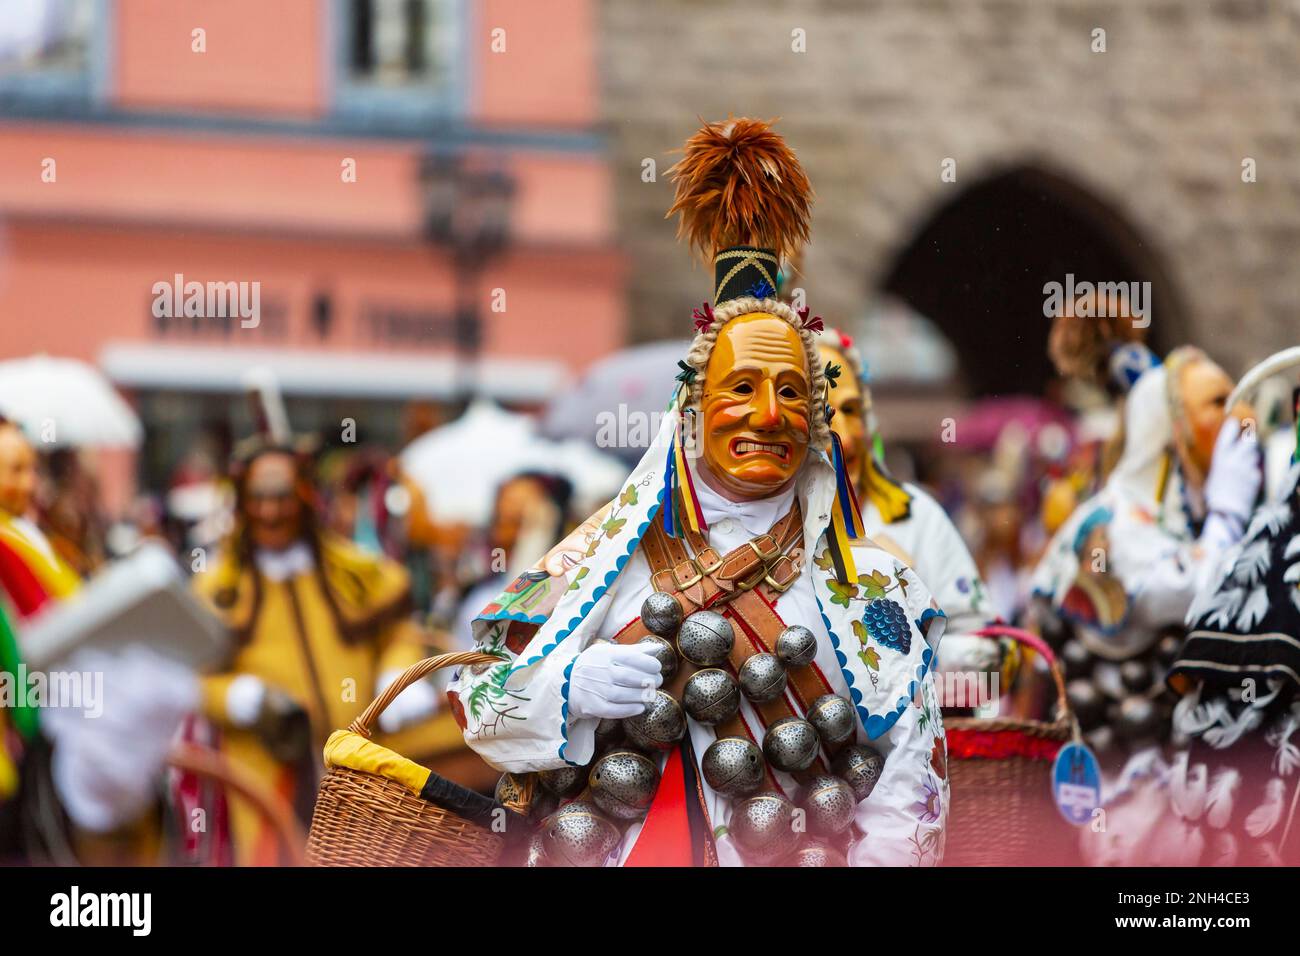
789	391
744	388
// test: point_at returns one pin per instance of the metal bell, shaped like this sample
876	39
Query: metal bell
535	854
609	733
733	766
623	784
663	652
577	835
859	766
1135	675
790	744
1075	660
563	781
1087	703
830	805
706	638
1101	740
661	613
711	696
816	853
796	646
762	678
544	804
763	827
1139	718
661	726
833	717
513	790
1167	649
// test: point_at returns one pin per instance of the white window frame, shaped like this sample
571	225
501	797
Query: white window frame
55	86
366	104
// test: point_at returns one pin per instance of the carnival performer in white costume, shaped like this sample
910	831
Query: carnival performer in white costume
726	613
1123	571
905	520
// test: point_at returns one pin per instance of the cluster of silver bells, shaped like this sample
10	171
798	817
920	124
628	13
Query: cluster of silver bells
621	784
712	695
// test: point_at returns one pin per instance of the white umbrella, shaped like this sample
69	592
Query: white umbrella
61	402
618	402
460	465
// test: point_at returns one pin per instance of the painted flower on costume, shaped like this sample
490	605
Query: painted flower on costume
928	806
939	758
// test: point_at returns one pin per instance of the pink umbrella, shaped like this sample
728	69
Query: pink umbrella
979	428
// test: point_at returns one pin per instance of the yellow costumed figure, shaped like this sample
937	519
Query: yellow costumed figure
319	625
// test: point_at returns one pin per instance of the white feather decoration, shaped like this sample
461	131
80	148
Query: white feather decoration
1191	717
1266	816
1287	757
1188	793
1220	797
1224	735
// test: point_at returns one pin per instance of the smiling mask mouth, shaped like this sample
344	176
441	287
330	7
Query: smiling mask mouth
748	448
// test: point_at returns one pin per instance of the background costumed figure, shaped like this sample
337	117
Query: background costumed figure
1233	791
1232	794
318	626
74	788
907	522
721	644
1121	573
31	571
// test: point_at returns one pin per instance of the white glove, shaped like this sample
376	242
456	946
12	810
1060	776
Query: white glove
613	681
108	757
412	705
1231	486
244	699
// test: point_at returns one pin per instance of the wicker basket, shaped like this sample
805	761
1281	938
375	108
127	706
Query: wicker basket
369	819
999	771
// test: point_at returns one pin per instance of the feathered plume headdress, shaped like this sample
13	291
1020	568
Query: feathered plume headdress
744	202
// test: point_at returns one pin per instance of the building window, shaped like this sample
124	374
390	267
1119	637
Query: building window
398	59
51	49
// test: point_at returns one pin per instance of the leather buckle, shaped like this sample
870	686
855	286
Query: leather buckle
773	551
783	566
753	580
695	579
709	569
776	585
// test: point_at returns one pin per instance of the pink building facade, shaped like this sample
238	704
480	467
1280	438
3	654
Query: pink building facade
282	144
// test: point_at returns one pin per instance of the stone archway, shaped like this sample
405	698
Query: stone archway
978	264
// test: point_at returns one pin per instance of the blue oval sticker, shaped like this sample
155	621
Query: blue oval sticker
1076	783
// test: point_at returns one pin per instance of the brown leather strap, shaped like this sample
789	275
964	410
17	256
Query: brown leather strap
758	612
702	579
745	584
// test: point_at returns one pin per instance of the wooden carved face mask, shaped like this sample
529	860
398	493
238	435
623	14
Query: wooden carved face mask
850	419
17	470
755	407
273	501
1203	388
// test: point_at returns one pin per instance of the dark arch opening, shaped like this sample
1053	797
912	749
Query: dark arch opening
978	265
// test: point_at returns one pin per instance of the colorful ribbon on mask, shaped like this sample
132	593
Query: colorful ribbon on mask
681	504
846	518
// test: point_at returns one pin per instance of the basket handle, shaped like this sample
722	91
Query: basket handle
1031	640
1275	364
418	671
